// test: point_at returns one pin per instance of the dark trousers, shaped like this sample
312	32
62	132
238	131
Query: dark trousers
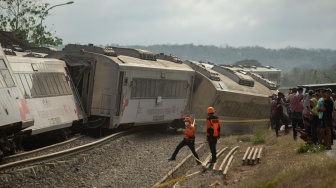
212	140
184	142
296	123
314	126
277	117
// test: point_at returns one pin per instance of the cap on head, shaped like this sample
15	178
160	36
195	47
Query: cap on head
187	119
327	90
210	110
311	92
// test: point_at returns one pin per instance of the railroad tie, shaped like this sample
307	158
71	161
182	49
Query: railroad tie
245	155
217	156
250	155
254	156
227	166
233	150
259	155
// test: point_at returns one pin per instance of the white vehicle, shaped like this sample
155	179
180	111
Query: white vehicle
14	112
239	101
121	86
47	90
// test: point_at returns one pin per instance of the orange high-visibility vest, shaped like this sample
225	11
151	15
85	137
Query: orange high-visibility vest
213	124
189	131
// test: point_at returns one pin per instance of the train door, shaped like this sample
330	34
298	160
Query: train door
119	95
82	73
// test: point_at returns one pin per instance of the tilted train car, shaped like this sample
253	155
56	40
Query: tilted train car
128	87
47	89
241	103
14	112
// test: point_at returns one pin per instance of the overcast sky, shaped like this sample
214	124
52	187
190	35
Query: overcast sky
238	23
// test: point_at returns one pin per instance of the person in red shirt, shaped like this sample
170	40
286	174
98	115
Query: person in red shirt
188	140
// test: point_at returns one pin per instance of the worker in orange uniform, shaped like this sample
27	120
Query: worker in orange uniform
212	132
188	140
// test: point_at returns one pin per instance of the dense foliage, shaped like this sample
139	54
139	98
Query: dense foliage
23	18
298	66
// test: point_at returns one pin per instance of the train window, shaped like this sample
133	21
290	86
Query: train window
174	89
53	83
43	79
65	82
36	85
30	84
143	89
2	64
37	78
158	91
58	84
165	90
152	89
8	78
25	84
138	88
2	82
17	76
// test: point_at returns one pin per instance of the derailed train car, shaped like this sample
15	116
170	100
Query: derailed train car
128	87
241	103
46	87
14	112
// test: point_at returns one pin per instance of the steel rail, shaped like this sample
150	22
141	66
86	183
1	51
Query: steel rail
61	154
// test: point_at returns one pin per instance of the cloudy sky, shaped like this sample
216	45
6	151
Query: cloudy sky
238	23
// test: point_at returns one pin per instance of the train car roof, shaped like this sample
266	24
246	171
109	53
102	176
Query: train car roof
253	68
128	57
158	63
24	59
227	84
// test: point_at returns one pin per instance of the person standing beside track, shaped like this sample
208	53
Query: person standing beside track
328	109
296	108
279	113
189	140
212	132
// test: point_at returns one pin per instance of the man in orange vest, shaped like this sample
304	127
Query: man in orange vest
212	132
188	140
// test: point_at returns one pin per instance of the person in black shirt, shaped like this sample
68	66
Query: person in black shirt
328	108
278	113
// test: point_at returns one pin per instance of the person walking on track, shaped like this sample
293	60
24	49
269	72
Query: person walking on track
212	132
188	140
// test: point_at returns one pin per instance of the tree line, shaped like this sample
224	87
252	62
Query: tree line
23	19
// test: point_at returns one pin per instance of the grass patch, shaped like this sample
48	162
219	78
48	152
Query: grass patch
273	182
244	138
310	148
259	136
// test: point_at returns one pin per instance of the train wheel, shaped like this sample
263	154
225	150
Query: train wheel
12	148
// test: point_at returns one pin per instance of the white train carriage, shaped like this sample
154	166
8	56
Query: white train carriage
120	86
47	90
241	103
14	112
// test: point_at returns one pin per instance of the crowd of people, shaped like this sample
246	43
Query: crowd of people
312	115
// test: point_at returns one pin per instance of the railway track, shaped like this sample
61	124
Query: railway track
77	140
27	159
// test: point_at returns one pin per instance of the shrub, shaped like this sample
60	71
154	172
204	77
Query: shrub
312	148
259	136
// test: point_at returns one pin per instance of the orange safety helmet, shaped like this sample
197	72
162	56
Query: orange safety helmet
210	110
187	119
